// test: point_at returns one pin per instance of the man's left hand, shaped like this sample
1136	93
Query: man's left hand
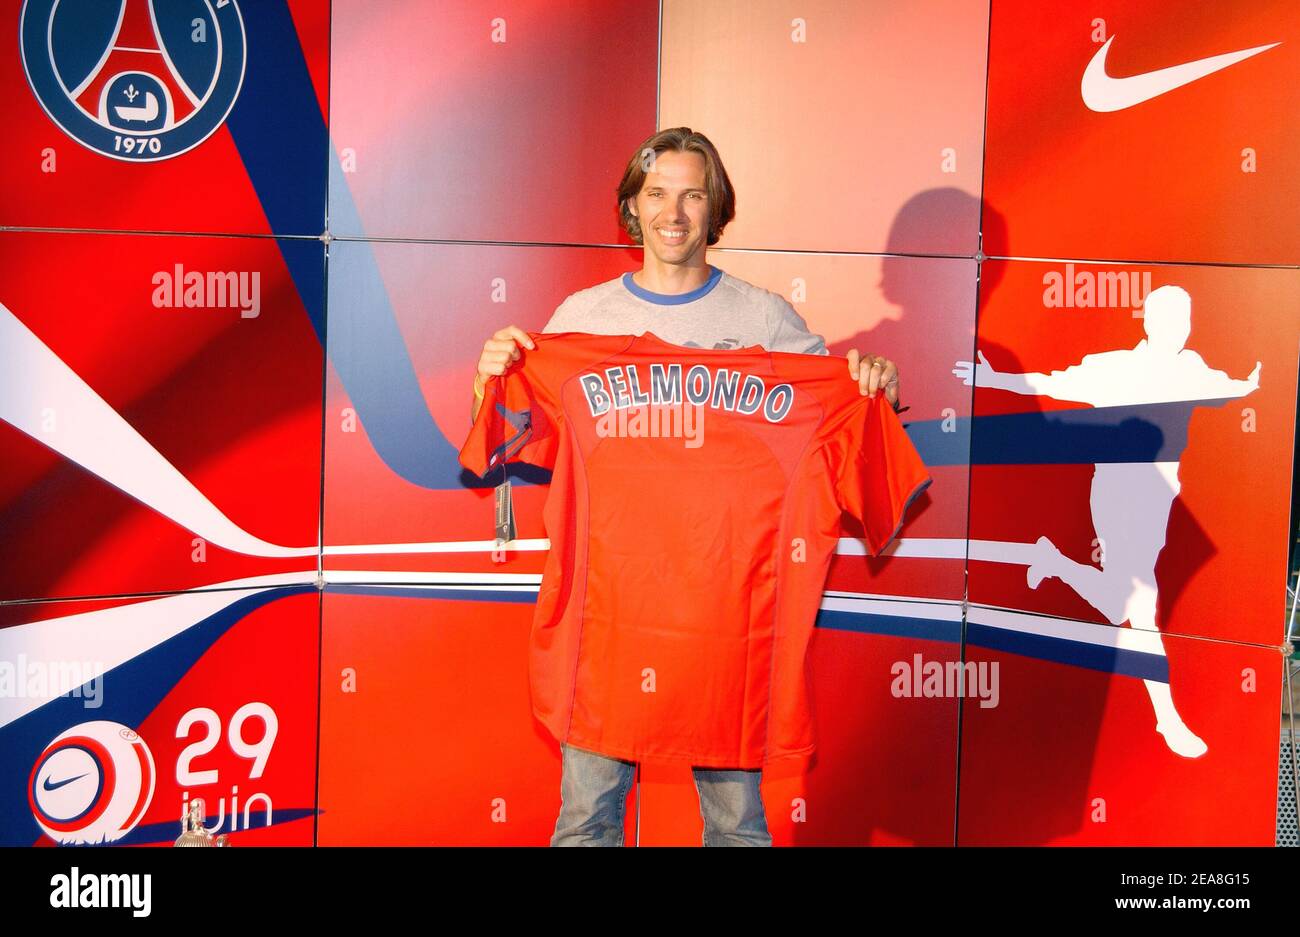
874	373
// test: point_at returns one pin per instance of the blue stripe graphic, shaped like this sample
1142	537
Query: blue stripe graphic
1075	653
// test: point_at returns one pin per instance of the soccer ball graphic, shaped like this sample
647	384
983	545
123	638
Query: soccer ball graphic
92	784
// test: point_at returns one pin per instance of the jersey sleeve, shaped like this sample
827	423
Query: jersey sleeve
512	426
878	472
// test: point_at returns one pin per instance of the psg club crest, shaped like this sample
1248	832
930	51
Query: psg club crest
92	783
135	80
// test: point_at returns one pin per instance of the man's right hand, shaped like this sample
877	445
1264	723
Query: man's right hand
499	352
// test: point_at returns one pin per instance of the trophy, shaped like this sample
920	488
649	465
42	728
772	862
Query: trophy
193	833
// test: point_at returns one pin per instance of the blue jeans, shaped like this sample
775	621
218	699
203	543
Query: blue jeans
593	791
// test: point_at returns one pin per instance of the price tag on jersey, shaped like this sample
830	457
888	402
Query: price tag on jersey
505	513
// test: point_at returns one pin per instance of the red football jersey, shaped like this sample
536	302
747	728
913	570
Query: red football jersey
695	502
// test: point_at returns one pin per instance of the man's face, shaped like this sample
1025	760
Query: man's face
673	207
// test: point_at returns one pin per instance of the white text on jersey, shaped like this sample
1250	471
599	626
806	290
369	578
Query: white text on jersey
724	389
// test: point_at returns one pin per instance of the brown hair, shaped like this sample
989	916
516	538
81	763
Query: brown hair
722	198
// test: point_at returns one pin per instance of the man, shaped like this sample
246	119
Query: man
674	198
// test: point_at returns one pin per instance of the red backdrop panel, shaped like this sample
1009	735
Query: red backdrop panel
833	136
159	434
503	123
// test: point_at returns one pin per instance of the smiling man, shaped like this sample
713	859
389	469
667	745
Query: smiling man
674	198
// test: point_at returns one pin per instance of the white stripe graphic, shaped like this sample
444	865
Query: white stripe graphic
35	386
109	637
901	606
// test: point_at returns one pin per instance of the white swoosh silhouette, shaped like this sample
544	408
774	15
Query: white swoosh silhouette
1104	93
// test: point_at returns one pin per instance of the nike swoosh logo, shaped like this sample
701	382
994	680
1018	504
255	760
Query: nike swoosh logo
58	784
1103	93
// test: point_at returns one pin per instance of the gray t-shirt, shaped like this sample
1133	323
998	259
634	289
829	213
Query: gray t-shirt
725	312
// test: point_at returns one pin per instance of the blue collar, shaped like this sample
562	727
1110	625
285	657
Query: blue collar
673	299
